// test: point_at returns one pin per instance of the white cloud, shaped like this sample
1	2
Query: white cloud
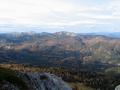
59	13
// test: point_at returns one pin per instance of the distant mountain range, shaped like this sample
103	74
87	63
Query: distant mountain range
61	49
114	34
109	34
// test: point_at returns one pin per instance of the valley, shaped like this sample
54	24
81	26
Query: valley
61	49
83	62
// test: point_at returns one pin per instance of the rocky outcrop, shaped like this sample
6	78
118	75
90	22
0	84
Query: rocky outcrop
44	81
118	87
36	81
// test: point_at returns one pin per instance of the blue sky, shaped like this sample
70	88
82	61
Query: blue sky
60	15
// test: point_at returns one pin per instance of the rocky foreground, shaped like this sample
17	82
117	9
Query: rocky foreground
38	81
118	87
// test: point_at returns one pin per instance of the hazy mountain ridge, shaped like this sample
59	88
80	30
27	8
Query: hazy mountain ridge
61	49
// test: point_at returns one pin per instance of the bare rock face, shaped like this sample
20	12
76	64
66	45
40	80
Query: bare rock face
37	81
118	87
44	81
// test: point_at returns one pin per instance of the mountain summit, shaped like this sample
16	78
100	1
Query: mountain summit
65	33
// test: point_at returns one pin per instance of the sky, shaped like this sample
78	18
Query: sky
60	15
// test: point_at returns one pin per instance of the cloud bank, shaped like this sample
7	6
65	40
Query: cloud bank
60	14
